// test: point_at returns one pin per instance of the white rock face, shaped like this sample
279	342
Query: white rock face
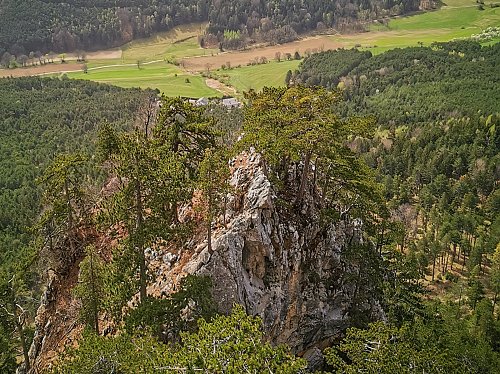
286	269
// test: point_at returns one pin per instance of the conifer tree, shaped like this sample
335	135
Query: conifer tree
65	208
156	165
90	288
298	127
214	183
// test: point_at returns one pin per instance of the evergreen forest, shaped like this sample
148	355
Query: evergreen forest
405	144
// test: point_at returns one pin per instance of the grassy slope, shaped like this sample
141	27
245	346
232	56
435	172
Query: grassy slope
168	78
255	77
455	19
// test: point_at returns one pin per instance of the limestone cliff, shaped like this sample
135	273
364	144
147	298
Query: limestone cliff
286	268
280	263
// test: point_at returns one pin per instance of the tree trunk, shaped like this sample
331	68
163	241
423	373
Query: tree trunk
453	255
94	294
20	330
446	262
209	223
303	180
433	266
139	241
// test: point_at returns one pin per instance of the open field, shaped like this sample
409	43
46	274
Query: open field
255	77
167	78
317	43
40	70
177	43
455	19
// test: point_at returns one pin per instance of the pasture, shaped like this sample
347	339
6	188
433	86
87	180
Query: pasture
172	61
455	19
255	77
165	77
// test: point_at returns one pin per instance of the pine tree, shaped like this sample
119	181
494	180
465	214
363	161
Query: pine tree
214	183
157	165
65	209
90	288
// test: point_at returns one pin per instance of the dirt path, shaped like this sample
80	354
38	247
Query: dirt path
316	43
41	70
58	68
221	87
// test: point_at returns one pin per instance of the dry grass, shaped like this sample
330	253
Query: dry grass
317	43
40	70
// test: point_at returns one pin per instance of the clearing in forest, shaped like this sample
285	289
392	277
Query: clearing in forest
171	61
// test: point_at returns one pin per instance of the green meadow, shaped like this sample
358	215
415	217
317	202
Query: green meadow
159	56
165	77
455	19
255	77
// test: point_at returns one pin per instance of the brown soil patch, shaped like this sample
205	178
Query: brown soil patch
104	55
216	85
236	58
40	70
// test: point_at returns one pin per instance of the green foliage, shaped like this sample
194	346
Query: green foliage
234	344
298	126
386	349
437	343
254	17
7	353
411	85
14	312
167	318
213	181
39	118
228	344
157	165
65	209
121	354
326	68
86	24
403	291
90	288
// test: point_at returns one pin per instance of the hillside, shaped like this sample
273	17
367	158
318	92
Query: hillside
411	85
41	118
40	26
319	210
436	148
296	229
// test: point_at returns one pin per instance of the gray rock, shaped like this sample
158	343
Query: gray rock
291	273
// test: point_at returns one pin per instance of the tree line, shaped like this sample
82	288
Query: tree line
42	26
435	150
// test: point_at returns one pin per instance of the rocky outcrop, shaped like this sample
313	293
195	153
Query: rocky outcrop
284	267
56	323
276	260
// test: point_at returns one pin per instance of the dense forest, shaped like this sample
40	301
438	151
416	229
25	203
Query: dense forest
41	118
410	85
41	26
436	151
406	142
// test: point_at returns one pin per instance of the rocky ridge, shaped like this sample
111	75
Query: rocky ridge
280	264
290	270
